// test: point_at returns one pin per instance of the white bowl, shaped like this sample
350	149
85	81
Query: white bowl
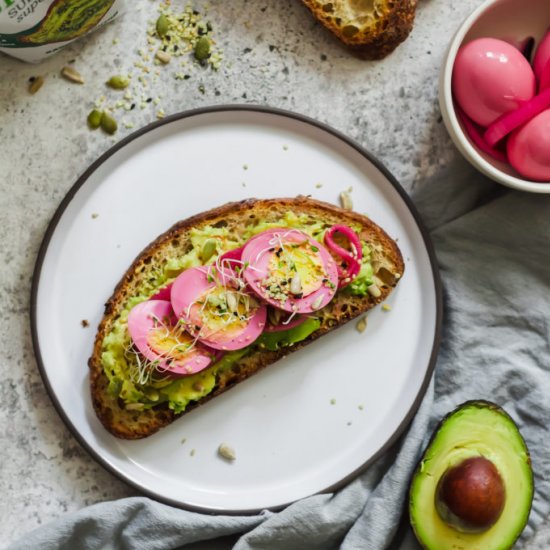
504	19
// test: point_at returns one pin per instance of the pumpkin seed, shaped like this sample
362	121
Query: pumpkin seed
163	57
118	82
202	48
35	84
108	123
72	75
162	26
227	452
208	250
94	120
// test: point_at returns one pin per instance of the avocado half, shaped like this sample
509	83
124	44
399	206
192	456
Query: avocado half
473	429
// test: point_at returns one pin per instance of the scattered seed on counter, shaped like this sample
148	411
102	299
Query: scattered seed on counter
333	401
386	307
95	215
72	75
85	323
35	83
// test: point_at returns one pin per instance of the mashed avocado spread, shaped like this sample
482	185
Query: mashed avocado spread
120	363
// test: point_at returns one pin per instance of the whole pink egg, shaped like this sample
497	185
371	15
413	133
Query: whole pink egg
491	78
529	148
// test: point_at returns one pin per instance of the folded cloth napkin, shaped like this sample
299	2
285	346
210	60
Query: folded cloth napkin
493	248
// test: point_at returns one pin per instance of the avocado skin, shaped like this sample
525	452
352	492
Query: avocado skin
506	533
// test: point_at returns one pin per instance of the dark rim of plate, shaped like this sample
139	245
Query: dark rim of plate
228	109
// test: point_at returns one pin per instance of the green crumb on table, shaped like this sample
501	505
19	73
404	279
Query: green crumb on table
245	166
202	89
386	307
318	185
360	407
285	147
183	440
333	401
192	452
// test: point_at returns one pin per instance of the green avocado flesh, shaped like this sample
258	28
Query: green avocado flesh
120	366
476	428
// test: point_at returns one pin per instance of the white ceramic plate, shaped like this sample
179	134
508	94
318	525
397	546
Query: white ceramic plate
305	425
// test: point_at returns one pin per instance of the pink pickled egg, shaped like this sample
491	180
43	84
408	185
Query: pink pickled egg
269	257
541	62
529	148
491	78
155	334
219	315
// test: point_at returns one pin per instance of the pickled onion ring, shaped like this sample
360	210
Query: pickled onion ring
473	131
291	322
352	259
508	122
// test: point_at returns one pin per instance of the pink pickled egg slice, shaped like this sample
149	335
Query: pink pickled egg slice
529	148
290	270
491	78
156	335
219	315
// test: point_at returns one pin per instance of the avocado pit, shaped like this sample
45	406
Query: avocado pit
470	496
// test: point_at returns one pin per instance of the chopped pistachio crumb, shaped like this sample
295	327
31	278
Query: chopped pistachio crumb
318	185
245	166
360	407
333	401
386	307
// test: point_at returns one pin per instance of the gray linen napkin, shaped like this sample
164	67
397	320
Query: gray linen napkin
493	248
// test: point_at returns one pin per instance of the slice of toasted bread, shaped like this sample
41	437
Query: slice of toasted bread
370	28
386	260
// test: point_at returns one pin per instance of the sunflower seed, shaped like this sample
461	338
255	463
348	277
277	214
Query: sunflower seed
227	452
361	324
72	75
345	200
163	57
296	284
35	84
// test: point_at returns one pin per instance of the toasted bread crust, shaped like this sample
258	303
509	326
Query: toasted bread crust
128	424
372	30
